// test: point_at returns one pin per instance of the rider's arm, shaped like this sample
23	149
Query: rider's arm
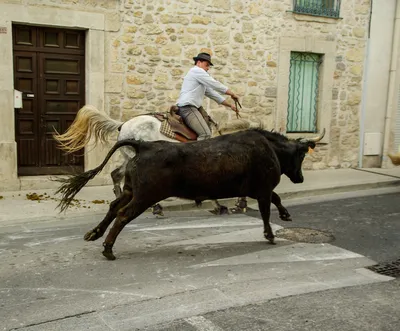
233	95
231	106
205	79
218	98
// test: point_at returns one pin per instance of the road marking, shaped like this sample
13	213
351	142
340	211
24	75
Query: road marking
202	324
76	290
194	226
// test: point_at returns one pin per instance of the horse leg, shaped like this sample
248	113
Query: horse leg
283	213
240	206
157	209
117	175
115	205
219	209
126	214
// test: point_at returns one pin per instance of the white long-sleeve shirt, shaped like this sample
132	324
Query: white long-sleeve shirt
197	84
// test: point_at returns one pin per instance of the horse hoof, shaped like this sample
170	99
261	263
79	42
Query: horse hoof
221	210
157	210
238	210
158	213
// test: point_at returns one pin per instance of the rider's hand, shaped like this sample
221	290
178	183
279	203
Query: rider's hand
235	97
233	107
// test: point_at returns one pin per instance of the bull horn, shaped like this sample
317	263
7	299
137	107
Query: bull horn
316	139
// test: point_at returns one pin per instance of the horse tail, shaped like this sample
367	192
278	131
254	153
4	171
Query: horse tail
89	123
73	184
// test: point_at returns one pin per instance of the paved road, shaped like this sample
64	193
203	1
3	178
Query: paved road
204	272
368	225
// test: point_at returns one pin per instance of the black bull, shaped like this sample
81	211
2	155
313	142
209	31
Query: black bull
247	163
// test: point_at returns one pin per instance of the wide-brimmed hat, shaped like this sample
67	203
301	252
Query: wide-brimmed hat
204	57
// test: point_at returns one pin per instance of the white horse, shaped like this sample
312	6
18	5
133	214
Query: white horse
90	123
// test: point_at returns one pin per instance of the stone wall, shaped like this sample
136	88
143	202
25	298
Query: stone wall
150	44
148	57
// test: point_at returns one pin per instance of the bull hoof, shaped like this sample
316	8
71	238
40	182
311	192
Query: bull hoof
271	240
285	217
107	252
109	255
92	235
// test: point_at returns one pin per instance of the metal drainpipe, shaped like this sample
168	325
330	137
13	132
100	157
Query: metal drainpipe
364	93
392	82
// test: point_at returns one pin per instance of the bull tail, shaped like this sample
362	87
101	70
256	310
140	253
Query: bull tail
89	123
73	184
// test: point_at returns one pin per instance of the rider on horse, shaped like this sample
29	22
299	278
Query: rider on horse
196	84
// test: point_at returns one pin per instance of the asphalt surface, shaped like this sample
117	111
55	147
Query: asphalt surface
368	225
195	271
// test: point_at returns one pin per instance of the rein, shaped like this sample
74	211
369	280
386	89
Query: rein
237	103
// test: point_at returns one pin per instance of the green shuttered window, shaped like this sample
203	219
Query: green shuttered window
303	92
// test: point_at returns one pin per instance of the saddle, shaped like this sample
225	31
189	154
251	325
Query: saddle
173	126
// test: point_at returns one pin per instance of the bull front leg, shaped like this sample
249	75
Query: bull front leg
264	204
283	212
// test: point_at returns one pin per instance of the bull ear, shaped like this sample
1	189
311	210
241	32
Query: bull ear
307	147
311	144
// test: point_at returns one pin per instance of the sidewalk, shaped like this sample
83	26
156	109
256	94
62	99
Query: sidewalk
23	206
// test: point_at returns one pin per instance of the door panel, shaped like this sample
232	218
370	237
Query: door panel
49	70
26	121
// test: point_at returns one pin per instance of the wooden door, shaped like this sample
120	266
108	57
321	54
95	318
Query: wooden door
49	69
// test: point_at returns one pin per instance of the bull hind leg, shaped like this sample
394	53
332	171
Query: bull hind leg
117	175
264	205
283	212
115	205
126	214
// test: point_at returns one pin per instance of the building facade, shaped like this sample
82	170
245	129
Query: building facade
298	66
